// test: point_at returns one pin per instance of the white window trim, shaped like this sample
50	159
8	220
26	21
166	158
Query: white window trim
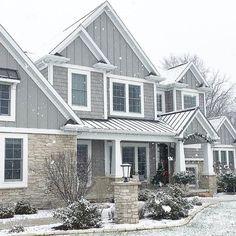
82	72
227	154
12	116
14	184
126	113
89	144
162	93
192	94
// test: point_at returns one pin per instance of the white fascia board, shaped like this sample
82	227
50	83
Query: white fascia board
229	126
124	31
36	76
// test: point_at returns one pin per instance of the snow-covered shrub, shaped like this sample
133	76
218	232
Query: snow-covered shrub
141	211
175	190
227	181
166	206
144	194
17	229
79	215
196	201
24	207
111	213
6	212
183	177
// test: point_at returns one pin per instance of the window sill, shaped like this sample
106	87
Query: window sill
80	108
7	118
127	114
13	185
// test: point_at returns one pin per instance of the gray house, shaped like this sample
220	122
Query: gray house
99	94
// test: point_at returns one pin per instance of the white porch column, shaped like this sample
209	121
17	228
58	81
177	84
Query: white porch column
208	160
117	159
180	158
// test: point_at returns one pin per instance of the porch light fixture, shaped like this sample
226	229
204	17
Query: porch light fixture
126	171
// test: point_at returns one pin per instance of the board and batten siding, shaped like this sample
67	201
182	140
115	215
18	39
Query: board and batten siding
169	101
115	48
79	53
191	80
60	83
194	127
225	136
33	108
191	153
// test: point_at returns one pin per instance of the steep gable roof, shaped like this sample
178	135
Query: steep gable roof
180	121
69	34
217	123
35	75
175	74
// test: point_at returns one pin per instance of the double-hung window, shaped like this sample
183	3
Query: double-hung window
160	102
190	100
8	80
224	158
126	98
79	90
13	160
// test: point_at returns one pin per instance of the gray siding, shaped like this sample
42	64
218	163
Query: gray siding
201	102
178	100
225	136
115	48
45	72
194	153
190	79
79	53
169	101
60	83
195	126
149	101
98	158
33	108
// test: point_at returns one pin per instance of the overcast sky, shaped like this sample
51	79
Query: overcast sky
162	27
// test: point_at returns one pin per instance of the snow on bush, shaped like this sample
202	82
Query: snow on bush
79	215
168	204
24	207
184	177
17	229
6	212
144	194
196	201
227	182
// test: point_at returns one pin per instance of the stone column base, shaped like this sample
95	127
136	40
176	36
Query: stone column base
126	202
208	182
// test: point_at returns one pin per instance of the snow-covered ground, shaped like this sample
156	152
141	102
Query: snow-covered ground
215	220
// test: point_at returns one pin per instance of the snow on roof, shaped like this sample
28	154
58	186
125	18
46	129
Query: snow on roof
173	74
216	121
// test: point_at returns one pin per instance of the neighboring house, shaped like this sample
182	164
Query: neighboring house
224	150
31	116
103	97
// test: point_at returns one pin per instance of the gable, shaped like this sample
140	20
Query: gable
195	127
78	53
115	47
190	79
33	108
225	136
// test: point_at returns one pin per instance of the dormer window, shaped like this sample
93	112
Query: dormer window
79	94
190	100
8	80
160	102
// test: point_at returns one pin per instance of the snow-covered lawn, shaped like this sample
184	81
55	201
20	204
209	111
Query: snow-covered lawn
212	219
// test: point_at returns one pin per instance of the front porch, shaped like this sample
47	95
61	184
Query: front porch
149	146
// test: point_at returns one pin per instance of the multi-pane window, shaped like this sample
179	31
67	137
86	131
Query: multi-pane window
134	98
79	89
119	97
190	101
126	98
159	100
224	159
142	165
231	160
5	99
13	159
